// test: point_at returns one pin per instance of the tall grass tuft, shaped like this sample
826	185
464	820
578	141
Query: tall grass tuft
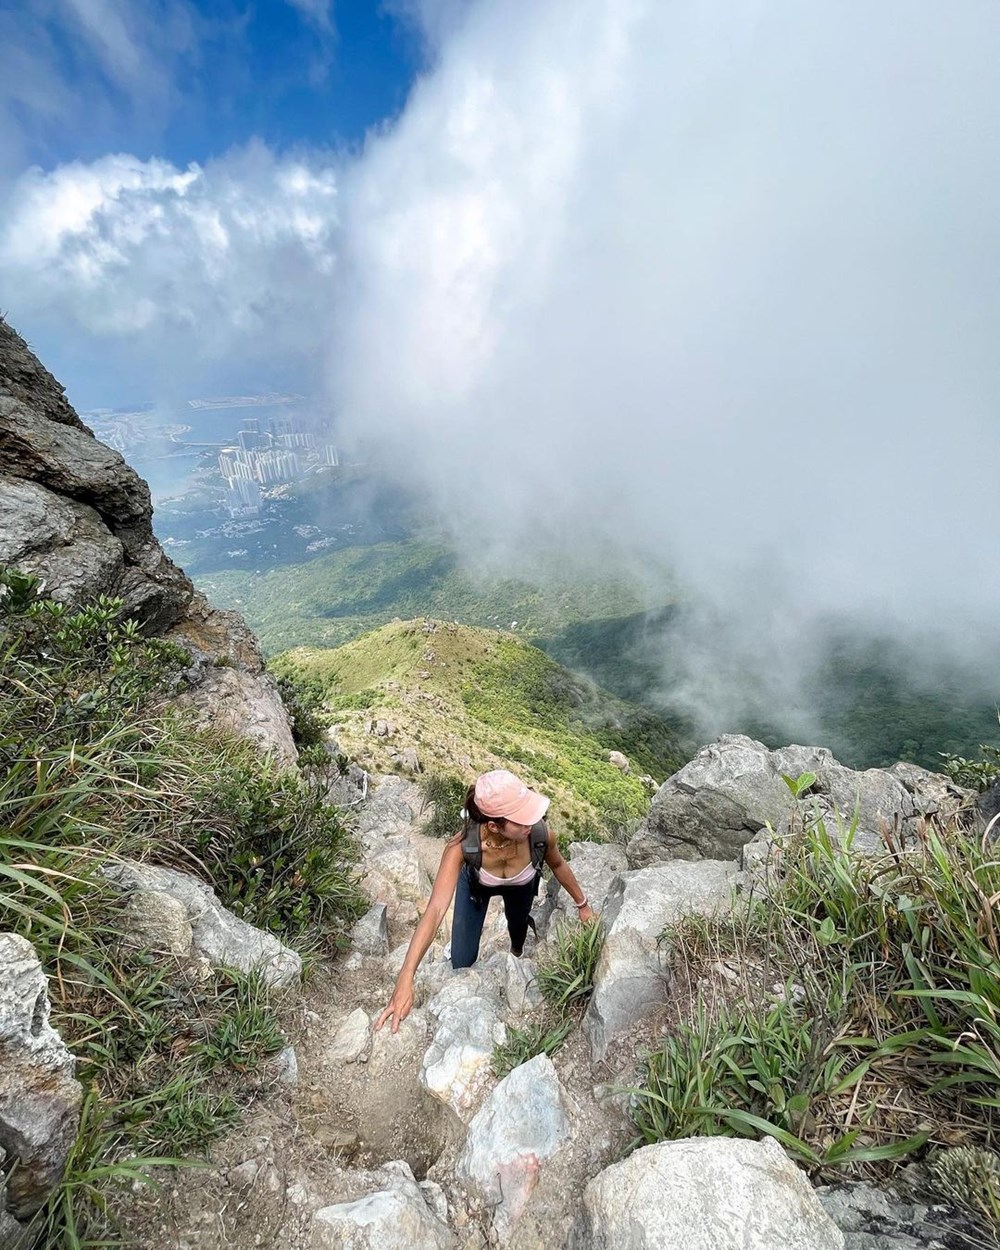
863	1018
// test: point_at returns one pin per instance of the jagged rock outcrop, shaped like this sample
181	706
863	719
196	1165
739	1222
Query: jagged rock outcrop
707	1193
73	513
39	1097
733	788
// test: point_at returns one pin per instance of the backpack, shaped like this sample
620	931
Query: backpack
472	848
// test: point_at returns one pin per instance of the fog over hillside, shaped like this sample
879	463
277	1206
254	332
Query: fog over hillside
699	286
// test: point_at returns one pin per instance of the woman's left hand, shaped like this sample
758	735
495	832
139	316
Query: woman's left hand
586	914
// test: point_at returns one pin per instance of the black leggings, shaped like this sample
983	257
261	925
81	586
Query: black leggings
470	915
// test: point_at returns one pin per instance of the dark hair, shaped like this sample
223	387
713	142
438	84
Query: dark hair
474	815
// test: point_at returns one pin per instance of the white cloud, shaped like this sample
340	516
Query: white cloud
189	267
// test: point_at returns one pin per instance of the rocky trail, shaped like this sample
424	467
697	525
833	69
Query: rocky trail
387	1139
409	1140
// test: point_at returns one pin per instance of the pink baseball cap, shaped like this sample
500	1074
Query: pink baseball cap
500	793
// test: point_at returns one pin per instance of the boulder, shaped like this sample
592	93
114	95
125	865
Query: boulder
733	788
391	807
370	935
629	982
704	1193
222	938
396	1217
394	873
521	1125
457	1064
877	1219
619	761
39	1097
158	922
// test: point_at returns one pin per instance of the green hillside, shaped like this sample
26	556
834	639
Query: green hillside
337	596
470	699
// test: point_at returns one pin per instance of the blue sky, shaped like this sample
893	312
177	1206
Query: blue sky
188	81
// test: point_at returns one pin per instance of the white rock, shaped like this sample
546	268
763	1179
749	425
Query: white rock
705	1193
595	866
352	1040
158	922
370	935
519	987
224	939
457	1064
39	1098
394	1218
629	981
521	1124
247	704
394	874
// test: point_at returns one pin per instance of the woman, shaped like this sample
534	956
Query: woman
502	824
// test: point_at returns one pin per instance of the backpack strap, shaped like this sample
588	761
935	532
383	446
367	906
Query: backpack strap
539	843
472	848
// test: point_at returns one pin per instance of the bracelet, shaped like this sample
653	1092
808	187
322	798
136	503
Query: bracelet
582	903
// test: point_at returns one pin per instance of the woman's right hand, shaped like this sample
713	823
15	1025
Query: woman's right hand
400	1004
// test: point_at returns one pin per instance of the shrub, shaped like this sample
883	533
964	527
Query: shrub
445	795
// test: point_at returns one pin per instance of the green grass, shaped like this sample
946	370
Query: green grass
566	973
540	1037
883	1034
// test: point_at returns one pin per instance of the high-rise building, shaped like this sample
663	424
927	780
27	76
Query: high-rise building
243	498
331	455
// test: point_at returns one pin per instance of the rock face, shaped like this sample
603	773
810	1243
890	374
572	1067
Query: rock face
215	933
595	865
521	1124
39	1098
708	1193
733	788
629	981
74	512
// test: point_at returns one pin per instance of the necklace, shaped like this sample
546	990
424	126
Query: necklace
494	844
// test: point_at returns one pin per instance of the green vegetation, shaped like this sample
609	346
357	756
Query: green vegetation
94	770
452	691
566	974
974	774
541	1037
864	1021
566	979
339	595
445	796
871	704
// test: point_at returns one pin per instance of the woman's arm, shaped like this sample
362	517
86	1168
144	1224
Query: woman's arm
441	895
564	875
